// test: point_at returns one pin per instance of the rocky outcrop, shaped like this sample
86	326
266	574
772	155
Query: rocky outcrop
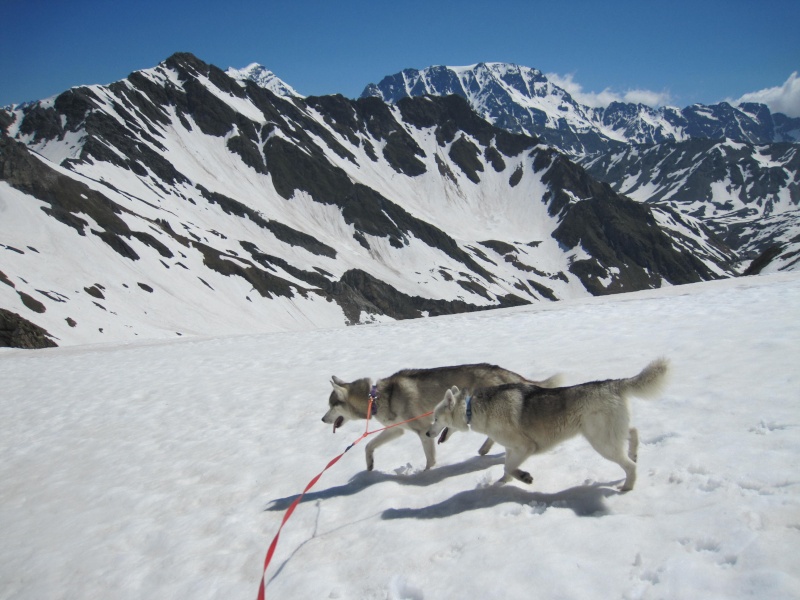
18	332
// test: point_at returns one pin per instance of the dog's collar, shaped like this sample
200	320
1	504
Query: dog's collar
469	409
373	396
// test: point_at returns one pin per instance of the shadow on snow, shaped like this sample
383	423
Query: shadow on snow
585	500
365	479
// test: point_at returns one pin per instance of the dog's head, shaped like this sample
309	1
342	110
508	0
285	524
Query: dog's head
340	406
444	415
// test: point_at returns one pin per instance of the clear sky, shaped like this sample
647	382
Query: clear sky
678	52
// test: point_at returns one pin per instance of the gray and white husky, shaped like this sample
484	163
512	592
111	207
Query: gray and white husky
408	394
528	419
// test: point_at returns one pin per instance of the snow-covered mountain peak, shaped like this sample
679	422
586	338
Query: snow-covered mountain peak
471	81
263	77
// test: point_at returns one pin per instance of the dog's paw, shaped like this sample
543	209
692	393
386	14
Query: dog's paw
523	476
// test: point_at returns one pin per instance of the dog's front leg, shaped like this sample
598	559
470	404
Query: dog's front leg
514	458
430	449
486	446
387	435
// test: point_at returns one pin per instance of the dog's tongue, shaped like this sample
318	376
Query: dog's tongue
337	423
443	436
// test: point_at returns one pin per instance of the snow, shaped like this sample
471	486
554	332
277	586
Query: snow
461	208
196	301
264	78
162	469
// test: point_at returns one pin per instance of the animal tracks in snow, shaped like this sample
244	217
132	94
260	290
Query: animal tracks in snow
699	478
659	440
767	427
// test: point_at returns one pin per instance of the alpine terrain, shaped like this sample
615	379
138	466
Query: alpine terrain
186	200
734	168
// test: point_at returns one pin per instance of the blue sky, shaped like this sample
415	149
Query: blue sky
678	52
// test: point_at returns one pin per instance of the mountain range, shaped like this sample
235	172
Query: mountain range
736	168
523	100
187	200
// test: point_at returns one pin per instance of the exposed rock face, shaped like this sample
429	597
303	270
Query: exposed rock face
17	332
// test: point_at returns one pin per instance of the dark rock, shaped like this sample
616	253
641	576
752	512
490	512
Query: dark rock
763	259
32	303
95	292
18	332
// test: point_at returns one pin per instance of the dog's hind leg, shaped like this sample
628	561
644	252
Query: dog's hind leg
633	444
614	450
487	445
387	435
630	473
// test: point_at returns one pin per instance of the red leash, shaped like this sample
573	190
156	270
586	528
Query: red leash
312	483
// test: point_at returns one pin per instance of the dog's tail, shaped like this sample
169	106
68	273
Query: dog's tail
649	383
553	381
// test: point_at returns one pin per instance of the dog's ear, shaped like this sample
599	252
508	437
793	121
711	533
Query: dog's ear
339	388
450	398
454	389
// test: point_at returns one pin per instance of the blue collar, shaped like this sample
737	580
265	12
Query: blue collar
469	409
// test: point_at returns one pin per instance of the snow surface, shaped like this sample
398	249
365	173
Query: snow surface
162	469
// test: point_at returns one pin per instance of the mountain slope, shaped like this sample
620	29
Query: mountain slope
184	201
749	195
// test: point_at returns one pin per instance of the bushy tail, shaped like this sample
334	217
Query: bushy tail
553	381
649	383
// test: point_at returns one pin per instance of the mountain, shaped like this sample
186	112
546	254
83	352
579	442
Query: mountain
518	99
264	78
734	168
182	200
523	100
749	195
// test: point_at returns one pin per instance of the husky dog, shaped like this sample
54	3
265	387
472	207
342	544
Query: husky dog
528	419
408	394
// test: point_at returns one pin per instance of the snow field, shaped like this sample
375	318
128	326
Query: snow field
162	469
